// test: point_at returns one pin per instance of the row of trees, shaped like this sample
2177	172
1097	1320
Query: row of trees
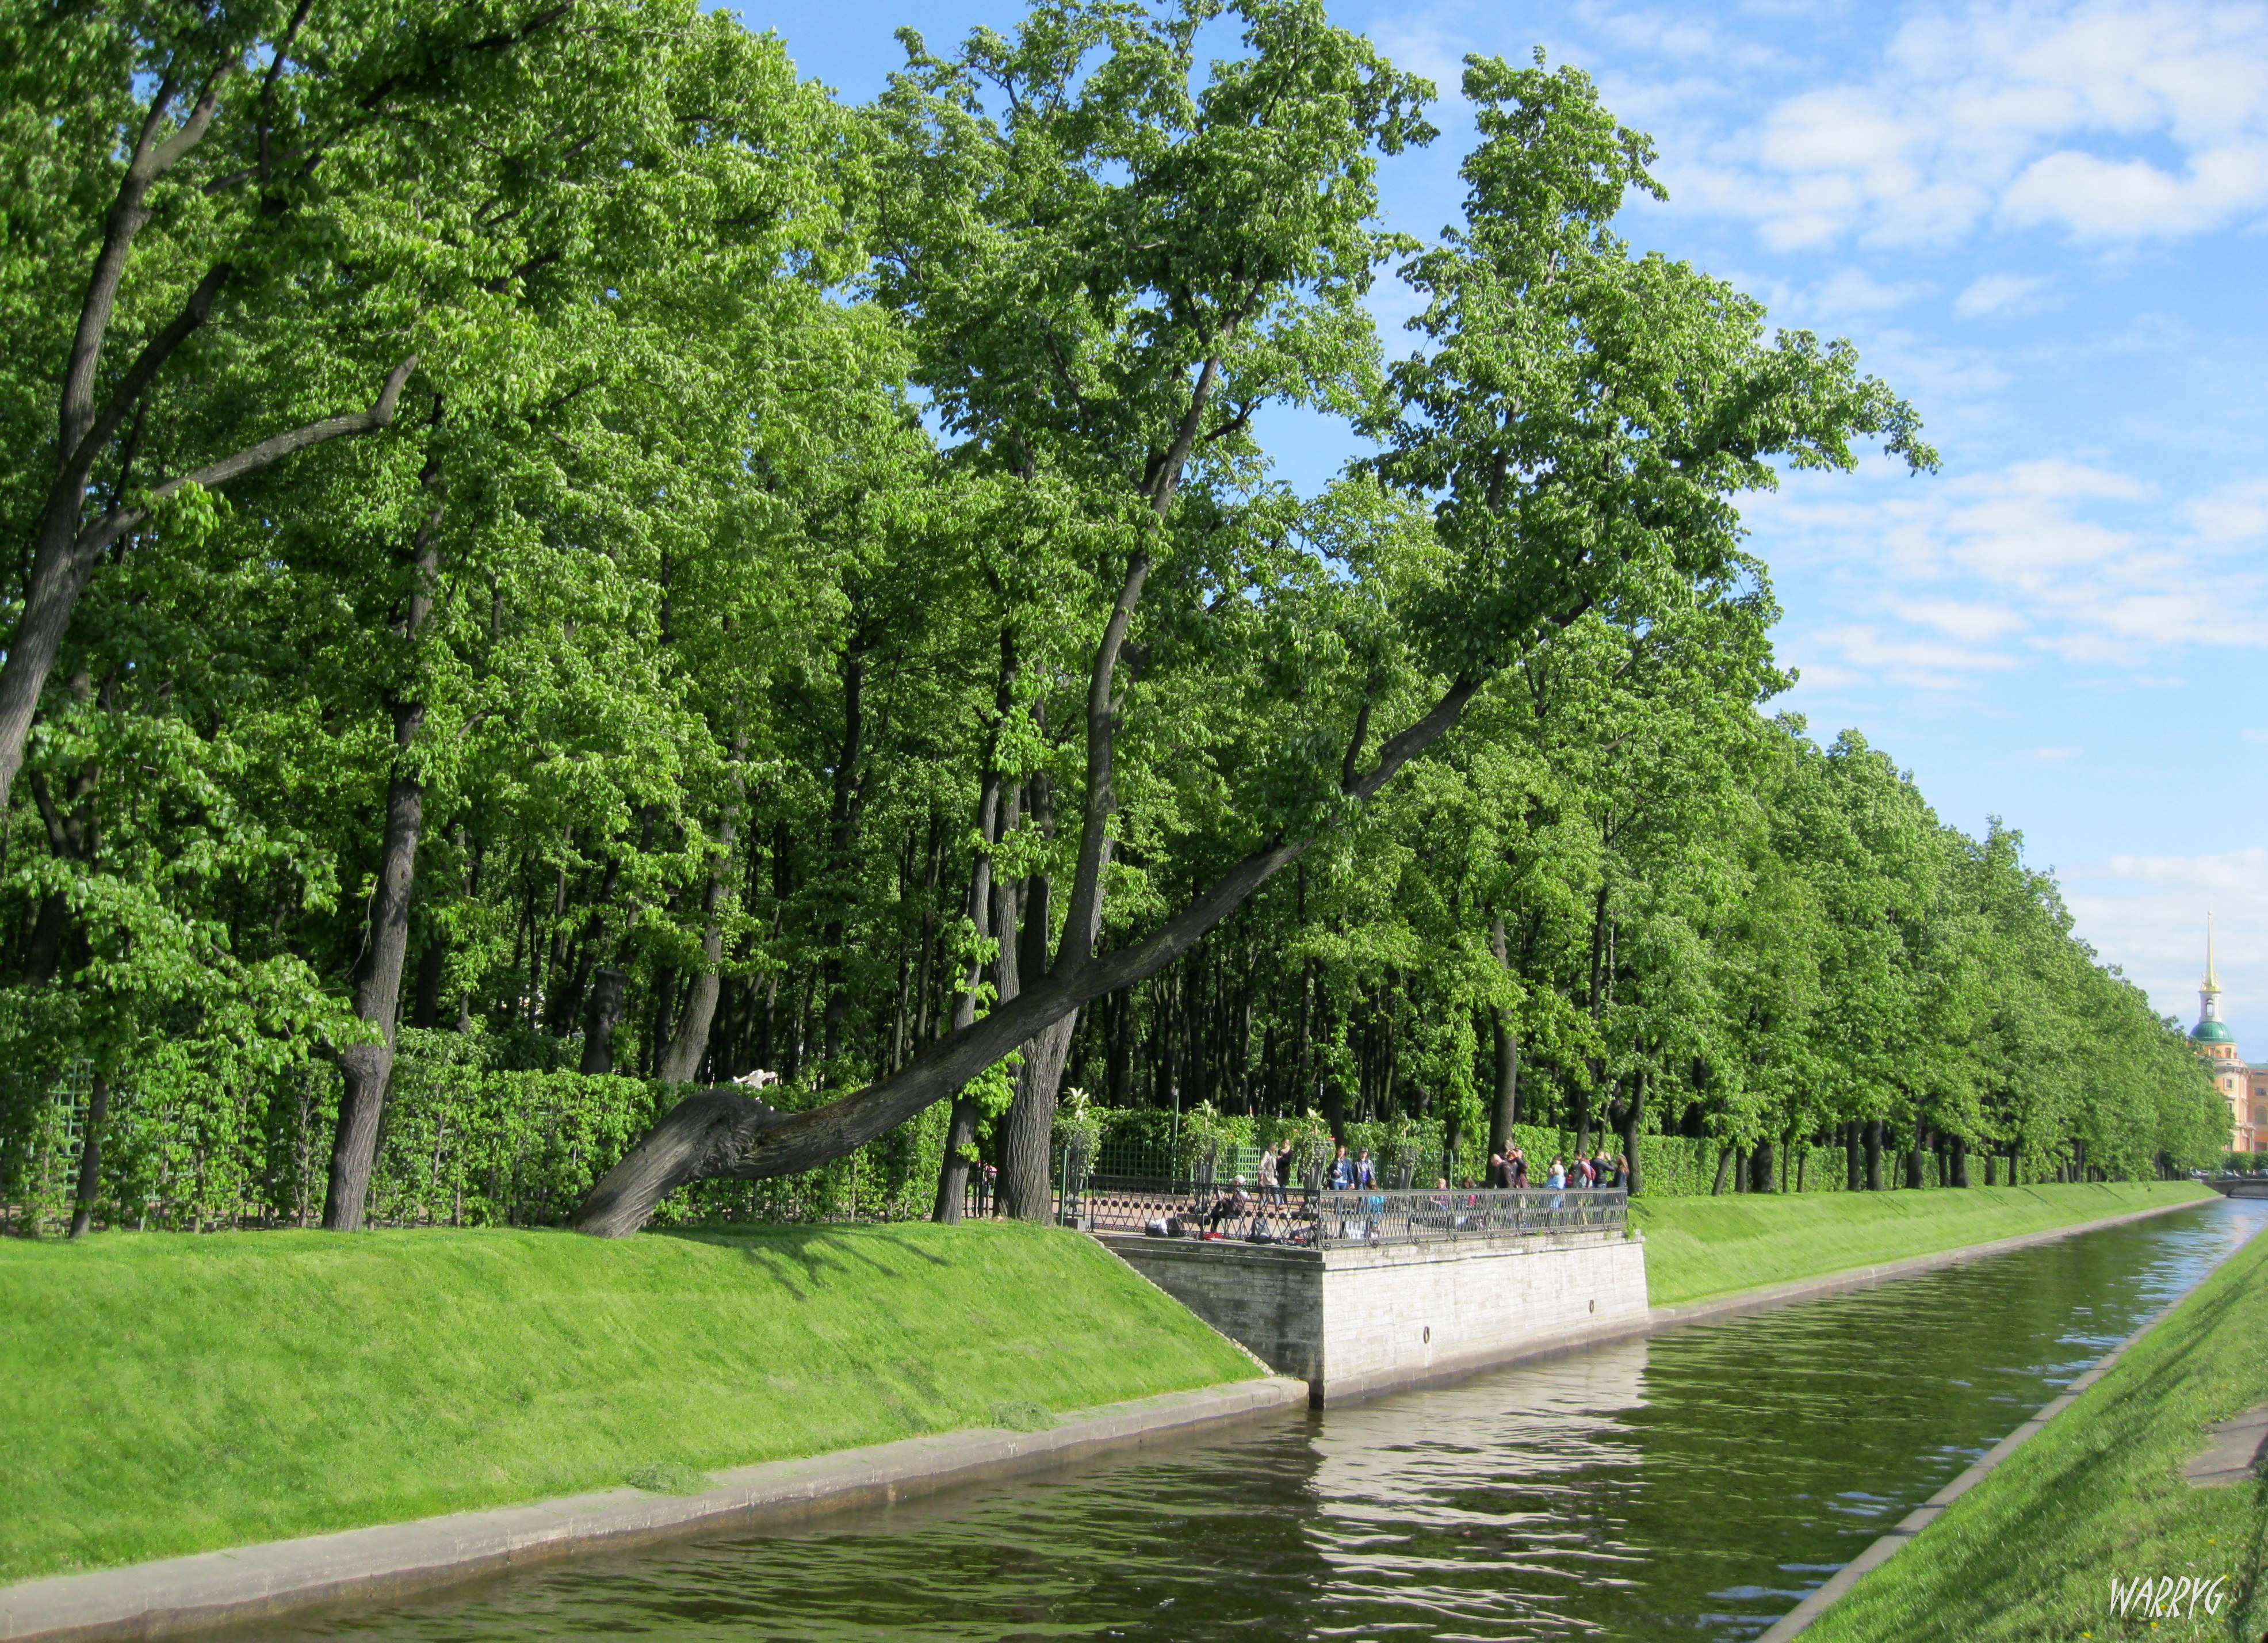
534	520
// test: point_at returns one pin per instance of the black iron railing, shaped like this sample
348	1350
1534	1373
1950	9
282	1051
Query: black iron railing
1266	1215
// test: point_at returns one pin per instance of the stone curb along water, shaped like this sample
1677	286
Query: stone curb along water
1798	1619
214	1588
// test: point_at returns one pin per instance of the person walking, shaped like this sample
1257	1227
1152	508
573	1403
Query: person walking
1269	1191
1342	1172
1366	1172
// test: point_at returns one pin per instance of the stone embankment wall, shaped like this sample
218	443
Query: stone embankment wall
1362	1319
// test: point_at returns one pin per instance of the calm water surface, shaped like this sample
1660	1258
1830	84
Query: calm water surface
1693	1485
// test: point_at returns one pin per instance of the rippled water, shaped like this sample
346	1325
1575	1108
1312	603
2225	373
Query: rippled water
1696	1483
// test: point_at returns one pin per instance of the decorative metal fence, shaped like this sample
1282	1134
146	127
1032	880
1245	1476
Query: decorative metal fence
1197	1208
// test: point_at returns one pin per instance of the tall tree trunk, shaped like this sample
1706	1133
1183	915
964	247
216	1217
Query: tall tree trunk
604	1015
1760	1167
1026	1184
1724	1171
1874	1134
960	1128
90	1158
1915	1153
433	962
1854	1168
366	1069
995	814
1503	1113
1600	966
1634	1127
1025	1192
841	829
682	1063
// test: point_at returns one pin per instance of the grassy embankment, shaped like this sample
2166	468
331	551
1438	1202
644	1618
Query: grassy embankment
168	1395
2029	1554
1696	1248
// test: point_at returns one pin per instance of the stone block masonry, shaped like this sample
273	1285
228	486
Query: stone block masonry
1354	1320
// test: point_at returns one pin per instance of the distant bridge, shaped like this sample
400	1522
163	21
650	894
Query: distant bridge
2239	1186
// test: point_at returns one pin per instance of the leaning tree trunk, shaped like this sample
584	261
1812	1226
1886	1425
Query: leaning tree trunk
90	1158
719	1133
1724	1171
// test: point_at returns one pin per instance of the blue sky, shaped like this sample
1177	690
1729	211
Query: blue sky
2043	224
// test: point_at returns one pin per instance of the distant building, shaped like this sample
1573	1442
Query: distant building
2245	1088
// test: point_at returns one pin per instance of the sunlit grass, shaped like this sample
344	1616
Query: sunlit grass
2029	1554
167	1394
1696	1248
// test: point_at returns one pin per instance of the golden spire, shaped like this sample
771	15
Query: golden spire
2211	982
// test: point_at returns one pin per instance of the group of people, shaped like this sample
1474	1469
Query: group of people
1356	1172
1345	1174
1509	1169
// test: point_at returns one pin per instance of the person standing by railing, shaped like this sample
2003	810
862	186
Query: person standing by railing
1342	1172
1271	1190
1556	1181
1517	1161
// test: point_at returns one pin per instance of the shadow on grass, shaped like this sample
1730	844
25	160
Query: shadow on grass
817	1252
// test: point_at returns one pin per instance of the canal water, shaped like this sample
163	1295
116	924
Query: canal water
1694	1484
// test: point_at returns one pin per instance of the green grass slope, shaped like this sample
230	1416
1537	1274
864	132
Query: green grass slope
2029	1554
1696	1248
167	1395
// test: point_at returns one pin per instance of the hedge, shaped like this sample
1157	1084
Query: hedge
483	1130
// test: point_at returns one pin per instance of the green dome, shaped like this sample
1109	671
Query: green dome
2212	1033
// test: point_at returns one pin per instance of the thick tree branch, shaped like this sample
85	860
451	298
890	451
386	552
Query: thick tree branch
64	558
252	459
78	463
129	213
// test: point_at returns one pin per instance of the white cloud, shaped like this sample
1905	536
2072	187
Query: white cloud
2146	914
2112	121
2000	293
1850	291
2054	755
1961	620
1941	582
